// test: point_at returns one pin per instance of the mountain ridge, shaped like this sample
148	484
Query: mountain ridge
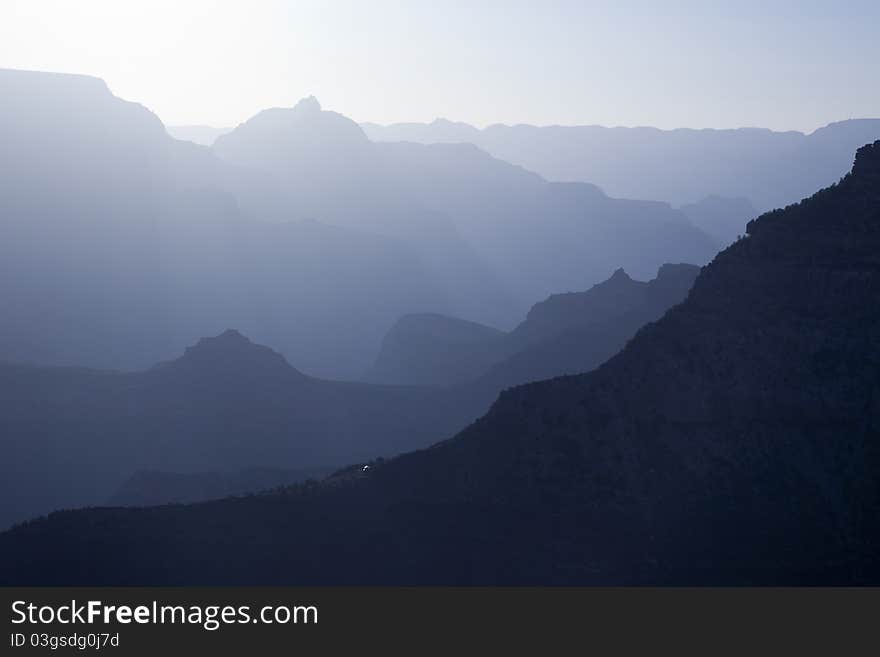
769	168
565	333
734	441
457	202
73	434
136	244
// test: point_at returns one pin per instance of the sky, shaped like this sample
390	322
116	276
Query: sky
781	65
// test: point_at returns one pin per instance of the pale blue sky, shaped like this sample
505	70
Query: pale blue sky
783	65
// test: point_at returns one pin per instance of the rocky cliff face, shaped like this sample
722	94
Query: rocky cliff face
736	440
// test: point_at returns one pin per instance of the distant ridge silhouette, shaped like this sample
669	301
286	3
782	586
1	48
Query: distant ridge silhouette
734	441
226	402
72	436
564	334
770	169
498	235
121	245
432	349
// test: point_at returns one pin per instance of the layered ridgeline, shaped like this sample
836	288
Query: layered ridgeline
733	441
121	245
501	232
72	437
329	170
576	332
186	428
564	334
770	169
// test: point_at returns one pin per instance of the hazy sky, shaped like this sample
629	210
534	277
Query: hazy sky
783	65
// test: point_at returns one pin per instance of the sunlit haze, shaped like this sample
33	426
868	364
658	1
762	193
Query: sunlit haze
694	64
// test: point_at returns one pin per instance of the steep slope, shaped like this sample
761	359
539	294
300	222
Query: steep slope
71	436
733	441
770	169
564	334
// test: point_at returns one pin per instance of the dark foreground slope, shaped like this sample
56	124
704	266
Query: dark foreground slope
70	437
154	487
733	441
